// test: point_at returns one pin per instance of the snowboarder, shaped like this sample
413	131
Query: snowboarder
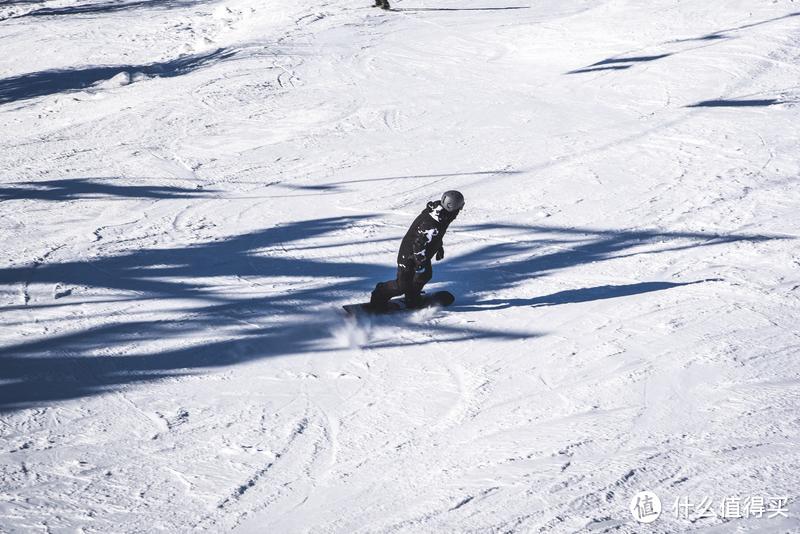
421	244
384	4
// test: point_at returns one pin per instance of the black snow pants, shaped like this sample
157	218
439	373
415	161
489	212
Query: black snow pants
408	283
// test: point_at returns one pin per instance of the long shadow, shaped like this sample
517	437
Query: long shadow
618	63
439	175
459	8
575	296
599	69
709	37
110	7
4	3
337	186
48	82
628	62
720	34
637	59
501	266
736	103
161	272
227	329
82	188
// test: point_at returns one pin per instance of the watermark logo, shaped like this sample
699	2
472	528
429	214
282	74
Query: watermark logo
645	507
731	507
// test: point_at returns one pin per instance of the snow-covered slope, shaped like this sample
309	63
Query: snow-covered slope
192	189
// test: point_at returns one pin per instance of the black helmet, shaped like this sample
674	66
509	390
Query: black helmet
453	201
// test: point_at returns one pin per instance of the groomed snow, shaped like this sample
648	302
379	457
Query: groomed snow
191	190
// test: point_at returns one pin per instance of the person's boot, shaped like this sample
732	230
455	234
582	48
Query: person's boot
376	300
384	4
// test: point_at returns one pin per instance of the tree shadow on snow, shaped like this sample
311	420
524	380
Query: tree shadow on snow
215	327
5	3
618	63
409	9
48	82
757	103
82	188
576	296
341	186
720	34
108	7
502	266
225	313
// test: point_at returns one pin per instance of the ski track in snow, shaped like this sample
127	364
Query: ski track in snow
191	190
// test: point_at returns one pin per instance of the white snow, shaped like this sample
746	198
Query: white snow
192	189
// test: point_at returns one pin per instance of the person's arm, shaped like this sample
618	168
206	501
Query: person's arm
425	234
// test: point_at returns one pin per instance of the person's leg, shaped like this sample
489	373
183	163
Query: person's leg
414	289
392	288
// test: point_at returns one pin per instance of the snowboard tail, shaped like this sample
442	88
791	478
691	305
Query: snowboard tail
439	298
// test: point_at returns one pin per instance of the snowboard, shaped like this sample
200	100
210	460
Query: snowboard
439	298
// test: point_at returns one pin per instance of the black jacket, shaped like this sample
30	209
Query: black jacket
424	239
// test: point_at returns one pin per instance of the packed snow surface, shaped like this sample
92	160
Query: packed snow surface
191	190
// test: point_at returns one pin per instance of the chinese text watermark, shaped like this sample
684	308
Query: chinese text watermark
646	507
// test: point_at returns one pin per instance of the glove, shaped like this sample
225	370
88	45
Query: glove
440	253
